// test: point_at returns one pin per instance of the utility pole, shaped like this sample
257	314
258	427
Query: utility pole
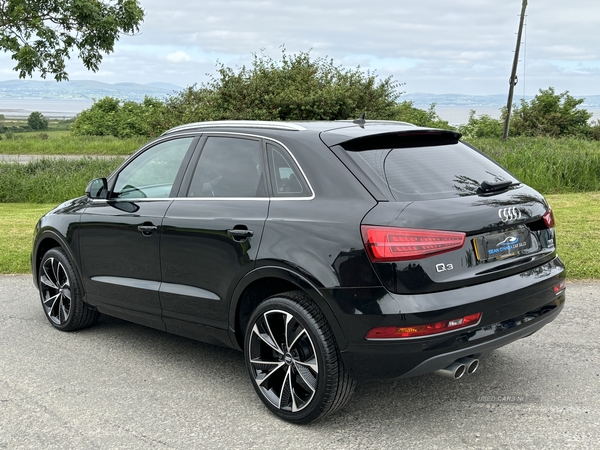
513	76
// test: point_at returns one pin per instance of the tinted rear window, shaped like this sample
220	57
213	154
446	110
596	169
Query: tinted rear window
423	173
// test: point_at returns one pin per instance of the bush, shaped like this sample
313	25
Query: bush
483	126
111	117
551	114
37	121
295	88
406	112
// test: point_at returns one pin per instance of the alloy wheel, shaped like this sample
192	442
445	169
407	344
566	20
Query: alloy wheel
55	288
283	361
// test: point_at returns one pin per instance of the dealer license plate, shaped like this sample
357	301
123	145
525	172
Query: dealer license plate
501	245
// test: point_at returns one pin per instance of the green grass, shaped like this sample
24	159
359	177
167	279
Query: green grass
577	230
51	180
578	233
18	221
551	166
63	143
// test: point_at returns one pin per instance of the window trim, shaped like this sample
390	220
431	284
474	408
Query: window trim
187	177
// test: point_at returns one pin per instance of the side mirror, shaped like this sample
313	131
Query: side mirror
97	188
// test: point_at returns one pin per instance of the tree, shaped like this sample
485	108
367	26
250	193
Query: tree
37	121
41	34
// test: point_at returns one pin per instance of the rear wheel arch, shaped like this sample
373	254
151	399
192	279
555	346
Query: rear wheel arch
264	282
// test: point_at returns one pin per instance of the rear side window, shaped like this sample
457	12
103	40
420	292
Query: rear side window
423	173
286	178
229	167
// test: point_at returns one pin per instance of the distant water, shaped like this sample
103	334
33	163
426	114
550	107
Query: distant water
66	109
455	115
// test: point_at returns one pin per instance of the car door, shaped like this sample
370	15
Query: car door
211	234
120	236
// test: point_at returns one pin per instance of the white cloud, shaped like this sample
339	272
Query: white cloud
178	56
463	46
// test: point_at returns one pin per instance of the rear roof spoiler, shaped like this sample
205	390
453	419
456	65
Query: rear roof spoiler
404	138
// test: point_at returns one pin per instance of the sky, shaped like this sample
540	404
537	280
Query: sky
432	46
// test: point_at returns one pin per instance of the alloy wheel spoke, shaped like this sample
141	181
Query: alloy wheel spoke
298	336
267	339
260	380
266	320
46	278
52	301
306	375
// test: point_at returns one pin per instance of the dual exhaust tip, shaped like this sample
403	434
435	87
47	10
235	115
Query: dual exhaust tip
459	367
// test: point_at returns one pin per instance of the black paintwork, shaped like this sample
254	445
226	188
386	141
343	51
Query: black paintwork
195	266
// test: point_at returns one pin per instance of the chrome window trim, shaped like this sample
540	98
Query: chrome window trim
282	145
225	133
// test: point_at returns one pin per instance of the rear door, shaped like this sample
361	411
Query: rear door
211	234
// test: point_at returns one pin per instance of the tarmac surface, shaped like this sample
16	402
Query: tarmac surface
120	385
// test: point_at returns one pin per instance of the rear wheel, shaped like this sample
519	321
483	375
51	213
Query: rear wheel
61	295
293	359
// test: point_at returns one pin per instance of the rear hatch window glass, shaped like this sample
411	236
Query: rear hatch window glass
432	172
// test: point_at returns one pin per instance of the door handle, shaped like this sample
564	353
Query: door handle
240	234
147	230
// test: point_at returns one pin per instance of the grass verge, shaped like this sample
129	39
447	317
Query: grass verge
578	233
64	143
51	180
552	166
577	229
19	220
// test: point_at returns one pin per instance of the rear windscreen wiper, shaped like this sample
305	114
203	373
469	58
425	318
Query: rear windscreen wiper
489	187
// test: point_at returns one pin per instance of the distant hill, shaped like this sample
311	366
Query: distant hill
421	100
83	90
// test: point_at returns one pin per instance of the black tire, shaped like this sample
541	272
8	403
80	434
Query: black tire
61	294
293	359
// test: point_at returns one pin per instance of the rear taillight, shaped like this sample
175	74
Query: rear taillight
549	218
428	329
386	244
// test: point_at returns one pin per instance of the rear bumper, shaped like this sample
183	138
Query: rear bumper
512	308
369	361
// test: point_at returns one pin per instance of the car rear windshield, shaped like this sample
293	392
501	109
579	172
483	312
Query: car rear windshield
431	172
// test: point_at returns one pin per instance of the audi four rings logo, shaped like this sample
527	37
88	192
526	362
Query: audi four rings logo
509	214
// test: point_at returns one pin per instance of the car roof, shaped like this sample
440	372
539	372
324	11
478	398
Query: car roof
330	132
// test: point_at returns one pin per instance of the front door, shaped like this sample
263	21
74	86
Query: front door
120	236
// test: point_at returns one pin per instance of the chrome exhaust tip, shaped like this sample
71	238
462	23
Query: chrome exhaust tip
454	370
471	364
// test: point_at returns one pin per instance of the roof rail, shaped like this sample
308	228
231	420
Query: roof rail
381	122
273	125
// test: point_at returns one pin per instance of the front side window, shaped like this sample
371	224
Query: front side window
152	173
229	167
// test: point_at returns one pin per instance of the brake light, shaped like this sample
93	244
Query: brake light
401	244
424	330
549	218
